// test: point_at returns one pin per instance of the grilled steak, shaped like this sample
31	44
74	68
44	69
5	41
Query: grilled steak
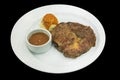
73	39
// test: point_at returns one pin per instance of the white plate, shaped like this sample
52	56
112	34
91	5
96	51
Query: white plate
53	61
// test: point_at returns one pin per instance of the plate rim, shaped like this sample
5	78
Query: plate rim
57	5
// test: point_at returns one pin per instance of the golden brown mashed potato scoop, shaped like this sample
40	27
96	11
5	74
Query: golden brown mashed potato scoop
48	20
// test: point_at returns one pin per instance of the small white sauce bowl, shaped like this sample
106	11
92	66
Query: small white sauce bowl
39	48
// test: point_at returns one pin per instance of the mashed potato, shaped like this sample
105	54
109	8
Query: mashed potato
49	21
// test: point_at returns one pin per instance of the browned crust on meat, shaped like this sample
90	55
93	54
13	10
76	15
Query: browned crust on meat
73	39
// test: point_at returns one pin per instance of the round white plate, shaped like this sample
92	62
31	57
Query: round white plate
53	61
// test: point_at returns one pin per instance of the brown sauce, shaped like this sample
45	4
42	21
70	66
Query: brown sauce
38	38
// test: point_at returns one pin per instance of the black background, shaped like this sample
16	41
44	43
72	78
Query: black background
13	10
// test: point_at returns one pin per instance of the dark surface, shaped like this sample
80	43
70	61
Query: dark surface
13	10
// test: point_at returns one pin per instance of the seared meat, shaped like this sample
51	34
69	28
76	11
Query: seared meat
73	39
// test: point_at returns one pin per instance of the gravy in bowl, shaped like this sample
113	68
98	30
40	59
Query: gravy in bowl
38	38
